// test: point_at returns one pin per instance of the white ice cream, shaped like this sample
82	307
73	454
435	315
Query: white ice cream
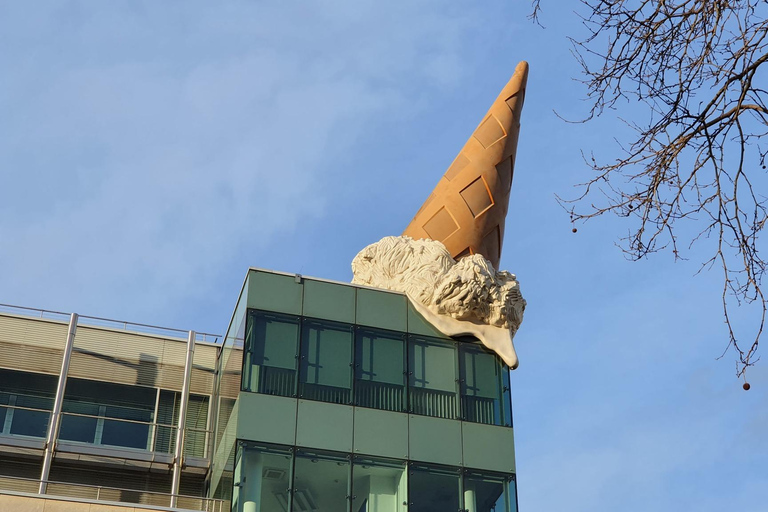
468	297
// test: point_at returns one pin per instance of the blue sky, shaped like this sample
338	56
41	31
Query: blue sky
151	151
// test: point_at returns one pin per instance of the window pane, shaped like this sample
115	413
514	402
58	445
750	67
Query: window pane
197	422
485	493
380	370
513	494
31	423
507	399
26	390
75	427
326	359
432	372
433	490
168	418
320	483
264	476
270	365
126	433
379	486
167	411
4	399
481	388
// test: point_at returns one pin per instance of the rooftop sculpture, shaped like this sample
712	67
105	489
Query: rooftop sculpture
447	258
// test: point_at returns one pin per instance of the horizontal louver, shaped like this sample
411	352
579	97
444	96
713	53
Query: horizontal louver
31	344
36	345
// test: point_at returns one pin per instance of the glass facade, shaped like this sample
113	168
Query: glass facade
272	352
325	370
432	377
274	478
484	390
337	360
344	363
380	369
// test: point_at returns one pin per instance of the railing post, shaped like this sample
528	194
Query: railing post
178	455
55	419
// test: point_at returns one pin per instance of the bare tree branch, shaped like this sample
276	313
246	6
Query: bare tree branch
694	170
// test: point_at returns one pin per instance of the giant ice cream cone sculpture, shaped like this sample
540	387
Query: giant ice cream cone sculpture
467	208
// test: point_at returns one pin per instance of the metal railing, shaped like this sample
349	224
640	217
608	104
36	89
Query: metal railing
95	321
158	437
114	494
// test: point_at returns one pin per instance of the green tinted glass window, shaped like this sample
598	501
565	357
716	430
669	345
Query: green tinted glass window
326	361
379	486
507	401
380	369
321	482
270	359
263	479
485	493
481	378
432	377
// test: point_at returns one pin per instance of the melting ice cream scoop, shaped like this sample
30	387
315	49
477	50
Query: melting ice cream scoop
468	297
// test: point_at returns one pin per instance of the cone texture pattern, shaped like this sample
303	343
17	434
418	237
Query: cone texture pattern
467	209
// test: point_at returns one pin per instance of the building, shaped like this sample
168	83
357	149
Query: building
321	397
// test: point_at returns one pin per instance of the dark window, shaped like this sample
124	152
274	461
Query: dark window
380	369
28	400
106	413
31	415
432	377
270	359
326	361
433	489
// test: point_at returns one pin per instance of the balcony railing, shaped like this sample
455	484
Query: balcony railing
103	431
113	494
95	321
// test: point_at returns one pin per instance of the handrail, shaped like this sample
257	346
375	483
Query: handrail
153	426
111	418
216	504
117	324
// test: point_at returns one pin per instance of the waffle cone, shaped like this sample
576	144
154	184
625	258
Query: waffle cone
467	208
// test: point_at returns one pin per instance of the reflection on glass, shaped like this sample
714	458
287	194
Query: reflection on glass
126	433
379	486
481	384
432	489
380	370
4	399
264	477
106	413
25	422
321	483
513	494
507	401
484	493
270	360
326	360
432	377
79	428
29	398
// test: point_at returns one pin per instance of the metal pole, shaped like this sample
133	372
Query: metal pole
178	453
55	421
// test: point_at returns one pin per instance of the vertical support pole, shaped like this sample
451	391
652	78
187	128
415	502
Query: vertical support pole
178	453
55	421
213	410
